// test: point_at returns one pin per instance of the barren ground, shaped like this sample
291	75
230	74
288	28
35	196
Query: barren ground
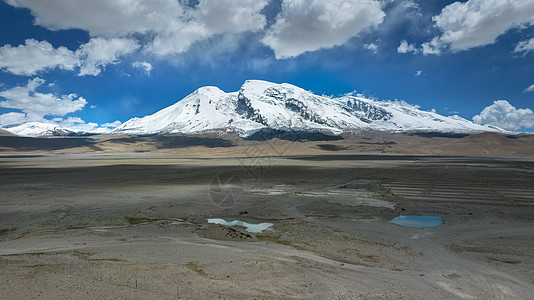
94	219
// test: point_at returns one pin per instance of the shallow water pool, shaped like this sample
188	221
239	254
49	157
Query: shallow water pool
417	221
249	227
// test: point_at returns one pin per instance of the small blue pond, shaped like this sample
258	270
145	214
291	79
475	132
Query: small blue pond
417	221
254	228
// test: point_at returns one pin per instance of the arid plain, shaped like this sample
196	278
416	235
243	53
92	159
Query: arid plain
125	217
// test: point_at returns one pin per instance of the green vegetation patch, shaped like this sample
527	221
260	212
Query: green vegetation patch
113	259
277	240
139	220
6	230
506	261
194	267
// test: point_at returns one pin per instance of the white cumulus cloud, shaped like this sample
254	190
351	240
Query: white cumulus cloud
207	19
103	17
432	47
168	26
36	104
99	52
525	46
12	118
309	25
147	67
405	47
502	114
231	15
112	125
74	124
371	47
33	57
475	23
529	89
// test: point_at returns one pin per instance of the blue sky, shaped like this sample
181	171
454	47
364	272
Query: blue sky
87	64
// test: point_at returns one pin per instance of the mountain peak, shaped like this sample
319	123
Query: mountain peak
258	83
209	91
35	129
260	87
266	105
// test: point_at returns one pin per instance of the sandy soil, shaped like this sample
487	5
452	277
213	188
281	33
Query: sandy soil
216	144
133	225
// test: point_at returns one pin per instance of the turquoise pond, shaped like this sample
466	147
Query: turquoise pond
417	221
249	227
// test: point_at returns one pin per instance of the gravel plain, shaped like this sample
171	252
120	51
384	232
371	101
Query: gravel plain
112	224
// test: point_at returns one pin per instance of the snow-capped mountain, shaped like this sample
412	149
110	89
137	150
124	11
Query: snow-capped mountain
35	129
260	104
